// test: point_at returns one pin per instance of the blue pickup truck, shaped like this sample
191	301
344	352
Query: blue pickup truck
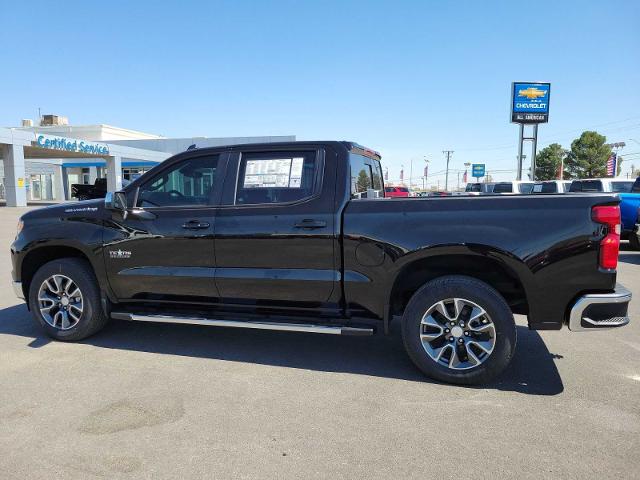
629	193
630	211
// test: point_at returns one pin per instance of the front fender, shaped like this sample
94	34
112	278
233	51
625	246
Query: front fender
55	238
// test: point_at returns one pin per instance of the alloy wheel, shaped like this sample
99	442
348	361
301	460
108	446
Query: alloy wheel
60	302
457	333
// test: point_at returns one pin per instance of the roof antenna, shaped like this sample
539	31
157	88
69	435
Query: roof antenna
192	146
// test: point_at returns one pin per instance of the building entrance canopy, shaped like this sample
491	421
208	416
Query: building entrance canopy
16	145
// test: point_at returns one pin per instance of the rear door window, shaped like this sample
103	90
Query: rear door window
276	177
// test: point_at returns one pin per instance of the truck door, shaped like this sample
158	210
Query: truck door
275	233
164	249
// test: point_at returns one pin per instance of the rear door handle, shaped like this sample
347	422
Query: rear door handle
310	224
196	225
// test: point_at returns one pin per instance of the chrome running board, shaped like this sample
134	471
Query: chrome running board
213	322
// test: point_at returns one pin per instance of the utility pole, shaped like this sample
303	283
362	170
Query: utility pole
410	173
448	153
426	173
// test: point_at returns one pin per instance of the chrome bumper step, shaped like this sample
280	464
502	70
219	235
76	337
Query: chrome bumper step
257	325
613	310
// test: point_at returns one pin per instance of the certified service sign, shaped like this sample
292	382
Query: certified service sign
530	102
70	145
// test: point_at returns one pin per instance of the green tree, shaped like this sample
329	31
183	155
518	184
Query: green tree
548	162
619	165
588	156
363	181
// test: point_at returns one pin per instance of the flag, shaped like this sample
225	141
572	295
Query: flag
464	177
611	165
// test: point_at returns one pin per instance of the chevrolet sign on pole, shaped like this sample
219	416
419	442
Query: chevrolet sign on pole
530	102
529	105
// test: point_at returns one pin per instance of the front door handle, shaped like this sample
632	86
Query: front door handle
195	225
310	224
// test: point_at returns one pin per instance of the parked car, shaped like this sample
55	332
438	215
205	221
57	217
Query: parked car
551	186
82	191
629	207
634	238
396	192
87	192
274	236
627	190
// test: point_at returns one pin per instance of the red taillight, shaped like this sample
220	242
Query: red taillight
610	245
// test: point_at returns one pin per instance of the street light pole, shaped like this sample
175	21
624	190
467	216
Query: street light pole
446	178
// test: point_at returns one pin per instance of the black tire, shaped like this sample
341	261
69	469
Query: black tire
92	319
484	296
634	241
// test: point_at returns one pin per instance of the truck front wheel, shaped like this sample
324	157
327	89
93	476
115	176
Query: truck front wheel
460	330
65	299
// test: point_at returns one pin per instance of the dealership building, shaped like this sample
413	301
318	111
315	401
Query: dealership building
41	162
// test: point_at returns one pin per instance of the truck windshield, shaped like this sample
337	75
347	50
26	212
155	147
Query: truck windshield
587	186
505	187
526	187
621	187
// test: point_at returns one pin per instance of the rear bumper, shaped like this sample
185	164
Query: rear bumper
597	311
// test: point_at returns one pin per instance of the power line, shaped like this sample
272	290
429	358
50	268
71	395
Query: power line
556	135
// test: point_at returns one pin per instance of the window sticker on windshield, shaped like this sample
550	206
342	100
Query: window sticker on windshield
274	173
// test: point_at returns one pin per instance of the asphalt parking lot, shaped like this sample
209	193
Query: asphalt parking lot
163	401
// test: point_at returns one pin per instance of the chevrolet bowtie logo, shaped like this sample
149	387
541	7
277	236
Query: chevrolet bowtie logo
532	93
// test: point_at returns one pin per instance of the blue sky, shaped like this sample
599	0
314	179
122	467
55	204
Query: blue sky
408	79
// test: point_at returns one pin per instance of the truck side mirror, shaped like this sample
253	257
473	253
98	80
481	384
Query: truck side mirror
116	201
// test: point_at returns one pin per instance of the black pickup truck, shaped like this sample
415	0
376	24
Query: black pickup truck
88	192
295	237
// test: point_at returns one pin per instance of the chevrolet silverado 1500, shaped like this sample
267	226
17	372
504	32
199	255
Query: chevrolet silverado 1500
296	237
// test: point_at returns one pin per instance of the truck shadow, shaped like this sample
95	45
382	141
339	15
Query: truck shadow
532	370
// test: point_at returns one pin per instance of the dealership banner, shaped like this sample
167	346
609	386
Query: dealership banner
530	102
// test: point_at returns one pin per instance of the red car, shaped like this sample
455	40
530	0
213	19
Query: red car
396	192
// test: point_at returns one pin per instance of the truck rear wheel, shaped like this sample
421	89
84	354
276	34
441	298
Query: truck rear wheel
634	241
65	299
460	330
